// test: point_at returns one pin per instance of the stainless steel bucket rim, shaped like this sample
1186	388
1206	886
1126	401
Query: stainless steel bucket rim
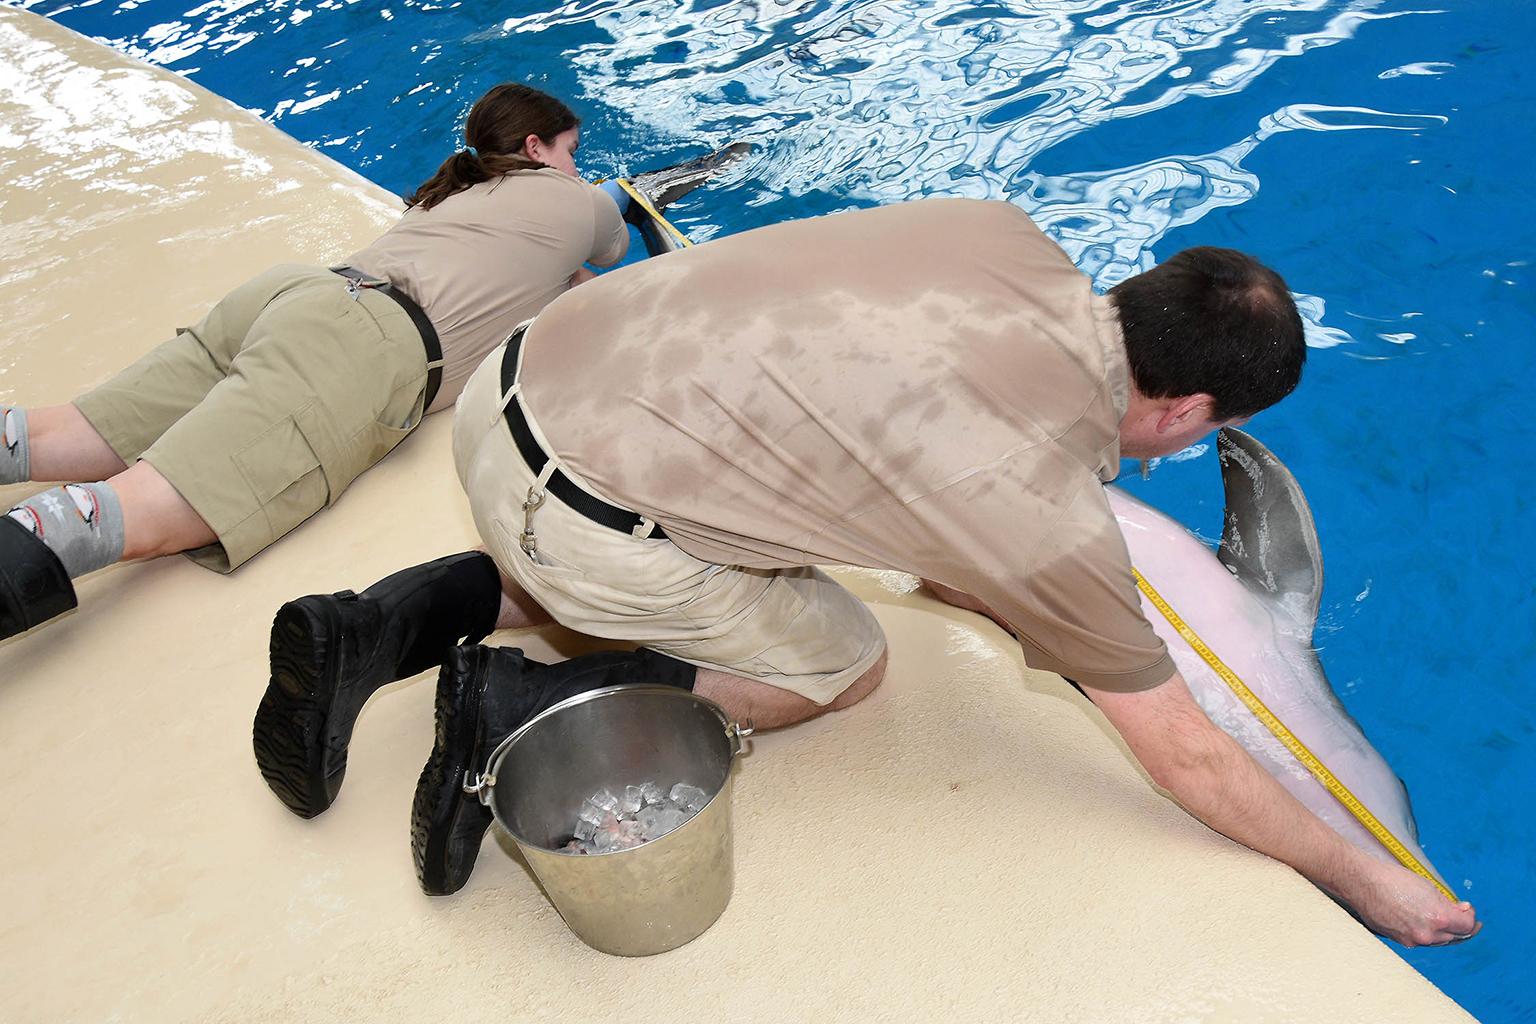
482	786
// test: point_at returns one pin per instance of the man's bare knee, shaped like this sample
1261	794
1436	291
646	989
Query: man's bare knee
769	707
861	687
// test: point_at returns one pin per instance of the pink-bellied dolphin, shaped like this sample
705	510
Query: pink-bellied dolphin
1254	602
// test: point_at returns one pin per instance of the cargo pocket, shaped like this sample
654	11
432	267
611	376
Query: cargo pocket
376	442
284	475
367	447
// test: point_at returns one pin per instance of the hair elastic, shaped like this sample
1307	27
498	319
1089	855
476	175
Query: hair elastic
472	151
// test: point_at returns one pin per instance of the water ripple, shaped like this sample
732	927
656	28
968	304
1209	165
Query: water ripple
902	98
873	101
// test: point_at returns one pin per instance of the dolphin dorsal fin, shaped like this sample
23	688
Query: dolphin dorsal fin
1268	539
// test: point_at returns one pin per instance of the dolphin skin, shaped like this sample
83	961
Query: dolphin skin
1254	603
665	186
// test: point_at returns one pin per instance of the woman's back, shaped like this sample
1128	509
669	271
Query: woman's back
485	259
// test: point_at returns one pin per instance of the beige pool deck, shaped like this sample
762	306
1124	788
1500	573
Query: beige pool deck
969	844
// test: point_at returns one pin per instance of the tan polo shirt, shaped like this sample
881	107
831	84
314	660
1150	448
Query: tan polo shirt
484	260
930	387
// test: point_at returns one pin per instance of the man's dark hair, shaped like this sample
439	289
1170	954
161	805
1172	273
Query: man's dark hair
1213	321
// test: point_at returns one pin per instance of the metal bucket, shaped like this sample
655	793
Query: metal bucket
658	895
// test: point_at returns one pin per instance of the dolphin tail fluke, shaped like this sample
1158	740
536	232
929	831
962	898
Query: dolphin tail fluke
1268	539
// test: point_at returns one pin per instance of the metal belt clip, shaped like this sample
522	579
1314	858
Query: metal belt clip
526	540
354	288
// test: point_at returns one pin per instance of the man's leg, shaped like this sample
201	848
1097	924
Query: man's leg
331	652
960	599
518	610
768	707
817	635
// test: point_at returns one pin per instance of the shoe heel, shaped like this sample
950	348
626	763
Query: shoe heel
288	729
448	825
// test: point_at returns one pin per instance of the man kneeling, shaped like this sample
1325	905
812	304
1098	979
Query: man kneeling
932	387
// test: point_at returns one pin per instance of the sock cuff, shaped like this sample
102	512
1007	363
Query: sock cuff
82	524
15	453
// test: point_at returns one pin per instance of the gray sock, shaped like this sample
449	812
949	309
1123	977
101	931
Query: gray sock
15	460
81	523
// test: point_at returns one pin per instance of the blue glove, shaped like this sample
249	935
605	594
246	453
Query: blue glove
618	195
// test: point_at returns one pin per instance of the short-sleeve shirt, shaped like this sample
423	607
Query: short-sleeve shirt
484	260
931	387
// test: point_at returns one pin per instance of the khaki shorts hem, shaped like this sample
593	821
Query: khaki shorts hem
101	412
819	690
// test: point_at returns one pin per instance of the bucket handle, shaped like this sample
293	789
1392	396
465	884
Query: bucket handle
738	731
480	784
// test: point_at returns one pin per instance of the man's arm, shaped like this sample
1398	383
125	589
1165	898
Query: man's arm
1216	780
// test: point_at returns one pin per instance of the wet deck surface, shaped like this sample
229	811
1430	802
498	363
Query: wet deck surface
967	844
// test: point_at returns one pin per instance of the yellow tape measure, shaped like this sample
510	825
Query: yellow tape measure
1319	770
645	204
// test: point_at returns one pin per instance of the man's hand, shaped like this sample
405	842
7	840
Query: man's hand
1218	782
1397	903
582	275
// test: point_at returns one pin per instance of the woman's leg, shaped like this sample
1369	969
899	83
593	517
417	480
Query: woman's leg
156	519
64	446
135	514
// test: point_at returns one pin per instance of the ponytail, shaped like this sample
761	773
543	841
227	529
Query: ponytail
464	169
498	124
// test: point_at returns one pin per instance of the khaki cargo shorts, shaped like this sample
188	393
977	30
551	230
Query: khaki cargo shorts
264	412
795	629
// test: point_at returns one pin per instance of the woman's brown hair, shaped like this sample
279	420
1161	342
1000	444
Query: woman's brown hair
499	123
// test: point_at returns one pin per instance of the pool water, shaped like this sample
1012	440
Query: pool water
1375	151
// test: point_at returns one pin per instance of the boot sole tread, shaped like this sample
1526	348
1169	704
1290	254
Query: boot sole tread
436	826
291	717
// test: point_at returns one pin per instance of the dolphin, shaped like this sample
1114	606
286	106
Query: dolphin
665	186
1254	603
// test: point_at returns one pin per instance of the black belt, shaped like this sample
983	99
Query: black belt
418	317
560	485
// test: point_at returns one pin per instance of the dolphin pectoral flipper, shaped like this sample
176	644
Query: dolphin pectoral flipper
1268	538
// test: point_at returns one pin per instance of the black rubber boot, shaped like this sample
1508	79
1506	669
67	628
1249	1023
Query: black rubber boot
331	652
666	185
33	584
484	694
